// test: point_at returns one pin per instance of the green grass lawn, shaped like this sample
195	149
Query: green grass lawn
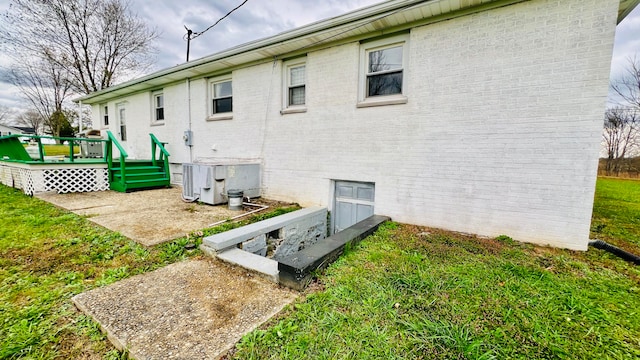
58	149
616	213
47	256
405	292
411	292
53	150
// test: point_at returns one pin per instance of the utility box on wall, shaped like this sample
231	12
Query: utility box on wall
188	138
209	183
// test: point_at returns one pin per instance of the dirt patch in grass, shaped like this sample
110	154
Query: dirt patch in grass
442	242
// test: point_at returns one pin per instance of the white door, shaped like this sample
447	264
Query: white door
122	122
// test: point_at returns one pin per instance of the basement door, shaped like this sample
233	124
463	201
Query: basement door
354	202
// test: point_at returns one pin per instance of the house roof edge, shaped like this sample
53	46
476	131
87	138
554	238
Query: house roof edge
182	71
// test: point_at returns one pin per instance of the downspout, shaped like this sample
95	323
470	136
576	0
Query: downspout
599	244
189	115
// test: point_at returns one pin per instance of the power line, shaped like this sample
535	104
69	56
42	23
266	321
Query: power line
317	42
196	34
192	34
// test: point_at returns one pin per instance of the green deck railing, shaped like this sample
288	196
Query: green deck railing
12	148
163	154
111	140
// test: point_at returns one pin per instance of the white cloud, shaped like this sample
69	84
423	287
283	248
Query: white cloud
627	43
254	20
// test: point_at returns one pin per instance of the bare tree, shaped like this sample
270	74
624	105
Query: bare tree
621	133
31	118
620	137
74	119
95	42
43	83
5	114
627	86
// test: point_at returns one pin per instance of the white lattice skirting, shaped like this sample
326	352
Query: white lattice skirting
64	178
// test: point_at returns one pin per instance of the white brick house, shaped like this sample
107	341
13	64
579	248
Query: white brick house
485	116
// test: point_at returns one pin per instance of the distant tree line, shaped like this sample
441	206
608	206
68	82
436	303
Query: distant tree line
621	133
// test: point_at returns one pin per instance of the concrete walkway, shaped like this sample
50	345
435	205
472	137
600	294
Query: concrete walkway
196	309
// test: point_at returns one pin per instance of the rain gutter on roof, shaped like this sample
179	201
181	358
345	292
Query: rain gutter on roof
626	6
347	25
272	43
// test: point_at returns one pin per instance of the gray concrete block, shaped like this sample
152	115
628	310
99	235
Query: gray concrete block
257	245
296	270
301	235
231	238
262	265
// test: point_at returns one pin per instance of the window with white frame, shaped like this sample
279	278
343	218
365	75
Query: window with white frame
104	110
295	80
221	99
383	71
158	106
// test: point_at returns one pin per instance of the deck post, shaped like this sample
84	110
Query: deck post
71	142
40	149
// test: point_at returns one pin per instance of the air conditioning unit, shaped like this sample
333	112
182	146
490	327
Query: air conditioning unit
209	183
188	191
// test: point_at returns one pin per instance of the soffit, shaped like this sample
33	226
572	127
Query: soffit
388	16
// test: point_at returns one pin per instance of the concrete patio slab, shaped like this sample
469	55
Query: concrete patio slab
149	217
196	309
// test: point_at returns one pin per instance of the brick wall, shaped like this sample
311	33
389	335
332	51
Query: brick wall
500	134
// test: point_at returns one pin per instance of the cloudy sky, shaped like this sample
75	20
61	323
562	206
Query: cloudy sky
258	19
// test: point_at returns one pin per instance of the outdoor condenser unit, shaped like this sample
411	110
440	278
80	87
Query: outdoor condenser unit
209	183
89	149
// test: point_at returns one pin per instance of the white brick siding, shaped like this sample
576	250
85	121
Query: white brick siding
500	134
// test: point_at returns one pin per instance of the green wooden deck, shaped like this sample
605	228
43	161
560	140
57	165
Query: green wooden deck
124	174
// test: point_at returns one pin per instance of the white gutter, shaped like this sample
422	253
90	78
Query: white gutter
281	42
350	18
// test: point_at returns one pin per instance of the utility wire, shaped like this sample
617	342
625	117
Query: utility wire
190	35
320	41
196	34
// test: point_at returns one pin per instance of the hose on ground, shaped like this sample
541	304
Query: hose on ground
599	244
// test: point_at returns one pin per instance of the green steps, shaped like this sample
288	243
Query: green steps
138	174
134	169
